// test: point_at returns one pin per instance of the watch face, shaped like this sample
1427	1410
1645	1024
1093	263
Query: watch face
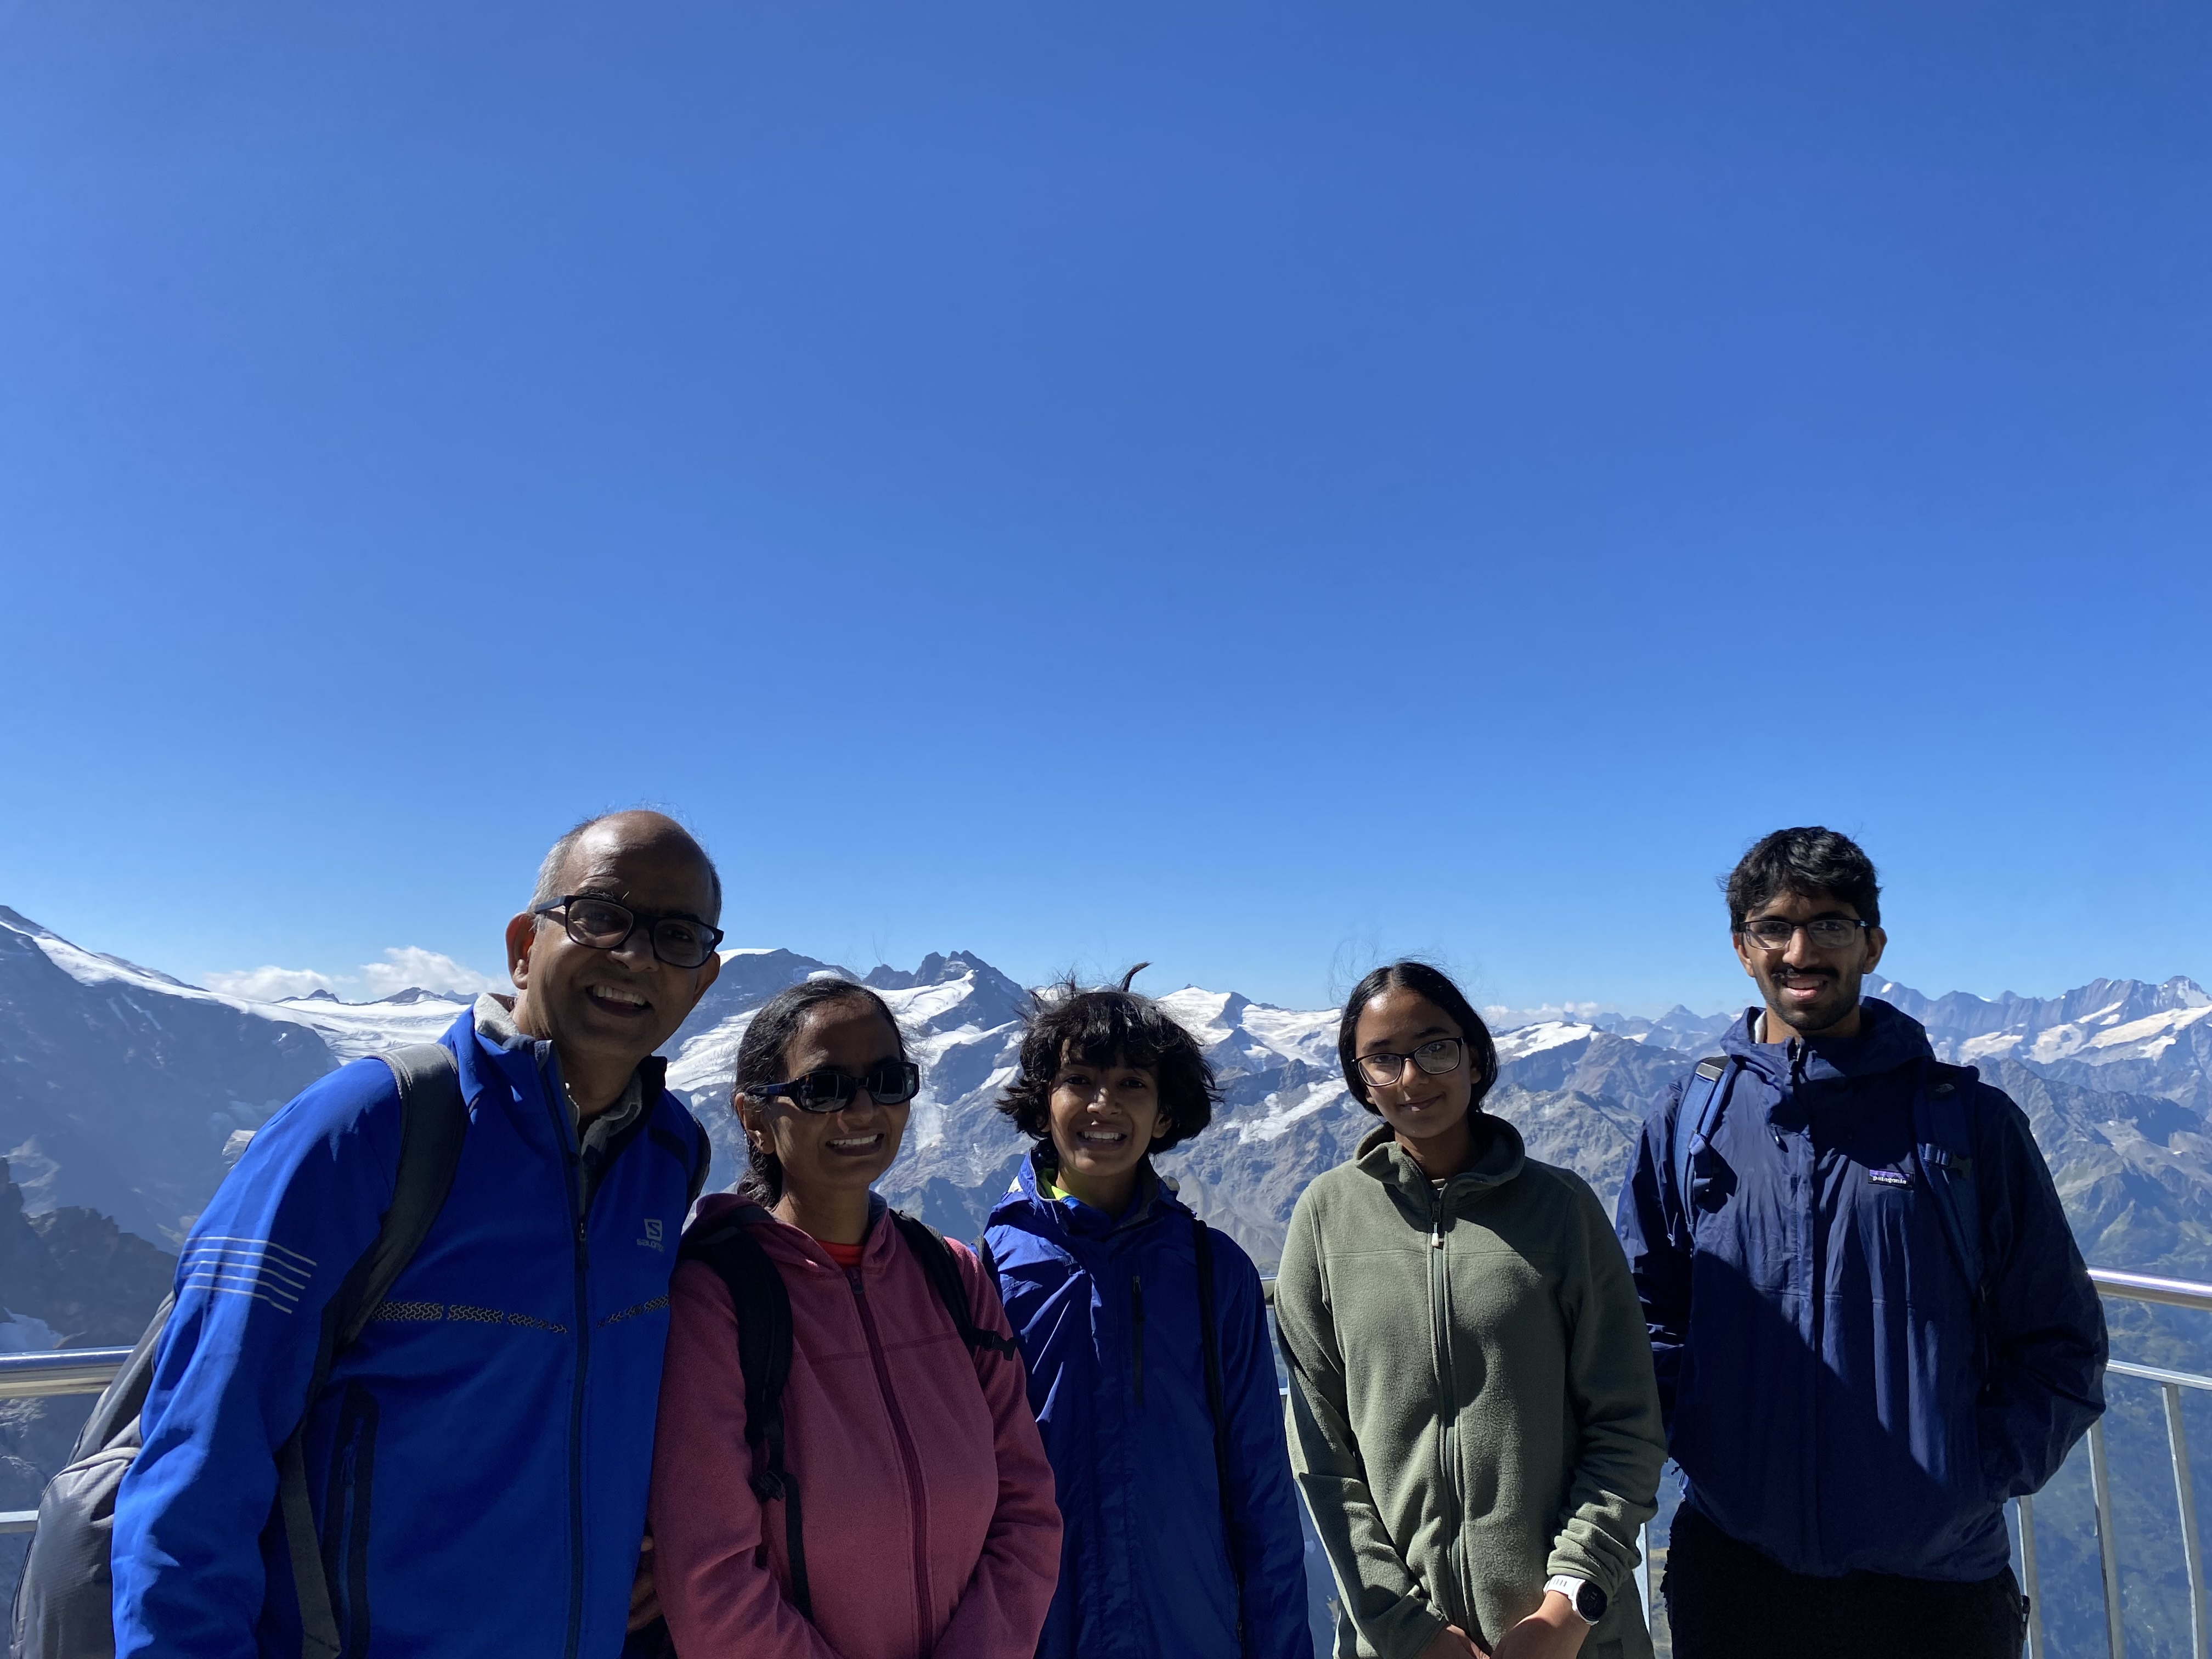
1590	1603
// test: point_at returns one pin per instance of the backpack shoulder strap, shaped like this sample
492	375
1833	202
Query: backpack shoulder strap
1942	1140
989	1263
936	1258
761	1302
124	1397
1216	1400
1697	1120
434	1119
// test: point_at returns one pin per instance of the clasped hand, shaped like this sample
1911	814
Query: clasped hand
1552	1632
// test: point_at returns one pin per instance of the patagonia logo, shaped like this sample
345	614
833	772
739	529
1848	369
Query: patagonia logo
652	1241
1889	1177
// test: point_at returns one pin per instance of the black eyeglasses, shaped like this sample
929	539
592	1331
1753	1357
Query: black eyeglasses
888	1082
680	941
1436	1058
1827	933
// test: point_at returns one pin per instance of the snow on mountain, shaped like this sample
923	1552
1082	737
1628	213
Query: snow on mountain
120	1086
2125	1035
122	1089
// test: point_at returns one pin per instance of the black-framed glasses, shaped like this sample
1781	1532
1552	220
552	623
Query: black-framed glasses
888	1082
1436	1057
1827	933
681	941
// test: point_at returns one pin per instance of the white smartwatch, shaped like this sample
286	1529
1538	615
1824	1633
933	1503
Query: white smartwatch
1588	1601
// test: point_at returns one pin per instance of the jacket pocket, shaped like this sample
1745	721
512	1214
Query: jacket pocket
346	1516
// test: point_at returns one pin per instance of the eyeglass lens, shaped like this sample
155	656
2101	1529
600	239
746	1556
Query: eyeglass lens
1828	932
604	925
1434	1058
888	1084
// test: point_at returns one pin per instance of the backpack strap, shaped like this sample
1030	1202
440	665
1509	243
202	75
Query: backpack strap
936	1257
1217	1402
989	1263
762	1305
1697	1120
433	1120
1942	1142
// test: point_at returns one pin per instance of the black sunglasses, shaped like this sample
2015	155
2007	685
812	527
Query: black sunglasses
888	1083
681	941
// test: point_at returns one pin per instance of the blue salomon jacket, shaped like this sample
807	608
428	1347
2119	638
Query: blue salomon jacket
1830	1395
1107	1314
478	1462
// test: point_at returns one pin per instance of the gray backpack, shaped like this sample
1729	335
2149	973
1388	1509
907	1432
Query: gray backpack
64	1599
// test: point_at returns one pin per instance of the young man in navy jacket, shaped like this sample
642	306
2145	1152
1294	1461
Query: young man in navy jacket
1850	1408
477	1460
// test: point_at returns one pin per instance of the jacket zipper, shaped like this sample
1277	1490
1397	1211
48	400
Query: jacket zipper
1137	1333
924	1608
565	1126
1447	1426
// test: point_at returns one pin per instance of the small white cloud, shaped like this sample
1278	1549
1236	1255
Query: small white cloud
267	984
411	964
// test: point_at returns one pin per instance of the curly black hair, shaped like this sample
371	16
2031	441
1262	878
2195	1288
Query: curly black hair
1809	860
1106	1028
1435	984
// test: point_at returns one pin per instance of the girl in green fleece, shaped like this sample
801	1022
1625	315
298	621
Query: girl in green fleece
1474	1421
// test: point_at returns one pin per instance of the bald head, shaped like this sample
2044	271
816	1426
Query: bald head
638	829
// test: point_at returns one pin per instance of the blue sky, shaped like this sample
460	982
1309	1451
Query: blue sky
1257	487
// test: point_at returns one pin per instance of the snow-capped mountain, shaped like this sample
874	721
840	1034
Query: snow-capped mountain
122	1089
2110	1034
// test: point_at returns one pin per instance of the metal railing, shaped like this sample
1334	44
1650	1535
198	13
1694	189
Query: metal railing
87	1371
2173	1293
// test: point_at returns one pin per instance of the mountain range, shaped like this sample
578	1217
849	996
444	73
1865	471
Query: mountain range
125	1093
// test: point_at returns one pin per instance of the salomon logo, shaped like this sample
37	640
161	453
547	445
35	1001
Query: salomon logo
651	1239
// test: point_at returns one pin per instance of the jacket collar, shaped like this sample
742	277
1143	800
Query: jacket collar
1887	1040
1154	1197
492	1022
1380	1155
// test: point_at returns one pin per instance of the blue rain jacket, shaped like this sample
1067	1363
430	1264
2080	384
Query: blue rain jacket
1828	1395
478	1462
1107	1314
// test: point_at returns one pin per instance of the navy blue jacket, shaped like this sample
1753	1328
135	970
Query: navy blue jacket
1106	1312
479	1460
1824	1382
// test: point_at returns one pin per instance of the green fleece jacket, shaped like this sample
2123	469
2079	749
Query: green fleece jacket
1472	1402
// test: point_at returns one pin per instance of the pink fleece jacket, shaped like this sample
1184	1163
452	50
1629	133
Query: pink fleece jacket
930	1527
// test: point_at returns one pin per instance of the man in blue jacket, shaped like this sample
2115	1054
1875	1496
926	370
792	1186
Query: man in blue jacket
477	1461
1851	1395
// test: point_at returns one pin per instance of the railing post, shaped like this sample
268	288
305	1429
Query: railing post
2184	1490
2108	1548
2031	1585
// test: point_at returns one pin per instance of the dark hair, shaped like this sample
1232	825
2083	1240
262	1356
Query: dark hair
1422	981
1813	862
1106	1028
760	1061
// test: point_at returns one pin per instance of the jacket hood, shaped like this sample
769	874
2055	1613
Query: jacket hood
1887	1039
1026	1202
793	1245
1380	1155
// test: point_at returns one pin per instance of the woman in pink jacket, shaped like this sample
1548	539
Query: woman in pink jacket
927	1523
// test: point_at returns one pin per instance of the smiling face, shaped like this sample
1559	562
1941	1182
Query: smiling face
1807	990
1428	1110
831	1156
605	1011
1104	1119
